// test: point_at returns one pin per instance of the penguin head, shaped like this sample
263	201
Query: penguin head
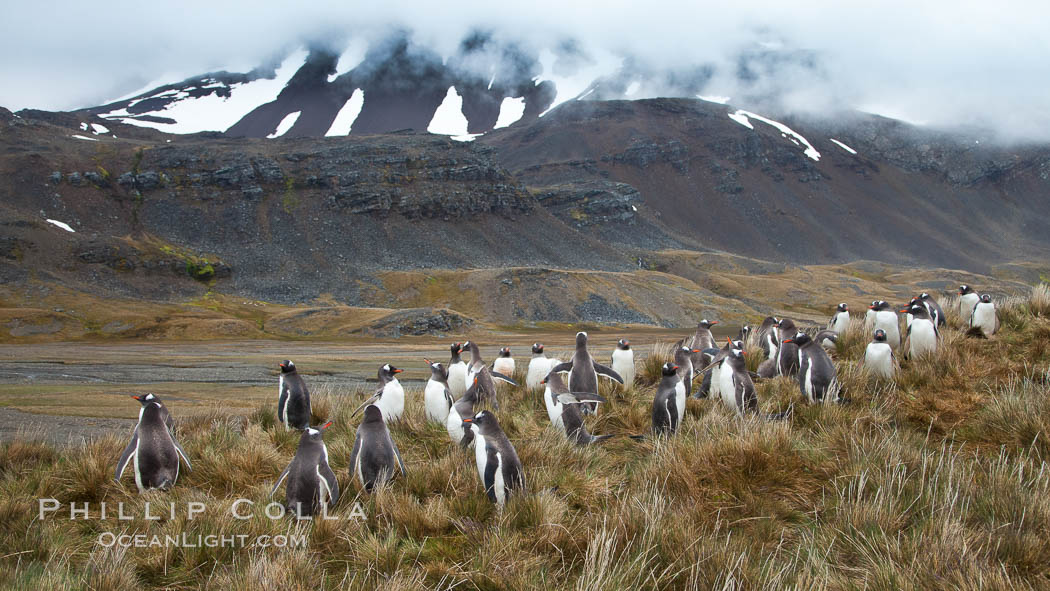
388	371
879	305
965	290
917	310
537	348
669	369
787	325
880	336
581	339
504	352
799	339
481	423
456	348
372	414
736	357
924	296
437	370
986	299
144	400
874	305
315	434
843	307
623	344
705	323
287	366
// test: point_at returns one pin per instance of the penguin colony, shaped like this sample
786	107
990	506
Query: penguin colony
455	392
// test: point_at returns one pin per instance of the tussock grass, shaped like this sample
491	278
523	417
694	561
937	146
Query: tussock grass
937	479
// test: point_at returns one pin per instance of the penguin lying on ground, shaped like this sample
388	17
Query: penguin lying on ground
375	459
816	374
878	358
623	361
152	450
437	399
293	402
311	481
584	371
498	465
563	408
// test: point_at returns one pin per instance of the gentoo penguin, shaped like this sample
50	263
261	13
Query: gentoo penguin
907	309
767	337
165	415
869	316
563	408
375	459
745	335
463	408
968	298
498	464
311	481
886	319
839	324
922	335
711	385
583	371
702	339
457	372
476	368
816	372
683	358
669	402
787	354
293	404
984	321
879	358
504	363
437	399
936	313
153	451
539	367
389	396
623	361
735	387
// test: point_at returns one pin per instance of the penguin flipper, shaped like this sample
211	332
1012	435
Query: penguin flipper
489	477
397	454
607	372
497	375
448	398
354	456
378	394
281	403
329	482
563	367
280	479
129	452
182	453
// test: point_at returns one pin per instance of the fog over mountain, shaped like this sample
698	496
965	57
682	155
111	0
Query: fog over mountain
943	64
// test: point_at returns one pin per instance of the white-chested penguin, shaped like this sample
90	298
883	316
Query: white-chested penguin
463	408
746	333
968	298
311	481
152	451
879	359
437	399
984	321
457	372
293	404
164	414
886	319
787	354
922	336
584	371
486	378
934	308
539	367
712	385
907	312
623	361
839	324
669	401
563	408
375	459
504	363
389	396
767	337
735	388
498	464
683	358
869	316
702	339
816	373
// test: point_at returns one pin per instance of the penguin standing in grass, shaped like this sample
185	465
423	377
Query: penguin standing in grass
787	354
485	377
153	451
879	358
584	372
390	396
767	338
504	363
375	459
936	313
712	385
623	361
839	324
968	298
984	321
311	481
683	358
463	408
869	316
437	399
293	403
886	319
922	336
702	339
498	464
669	402
539	367
457	372
737	390
563	408
816	372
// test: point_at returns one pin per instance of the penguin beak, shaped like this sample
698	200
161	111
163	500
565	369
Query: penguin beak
729	340
427	360
326	425
871	307
676	368
136	397
713	322
905	310
789	340
743	353
695	351
398	370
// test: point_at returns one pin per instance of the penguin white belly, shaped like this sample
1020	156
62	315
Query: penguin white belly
454	426
887	321
135	465
468	378
808	381
774	347
869	321
504	365
284	414
539	367
966	304
323	494
392	403
878	358
457	379
923	338
554	410
727	389
434	402
481	456
623	364
679	400
841	323
716	380
984	318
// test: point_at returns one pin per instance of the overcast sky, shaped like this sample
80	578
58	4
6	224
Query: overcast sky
936	62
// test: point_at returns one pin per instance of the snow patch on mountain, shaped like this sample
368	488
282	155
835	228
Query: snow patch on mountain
82	137
843	146
286	123
62	225
449	118
344	119
213	112
743	117
351	57
510	110
714	98
572	85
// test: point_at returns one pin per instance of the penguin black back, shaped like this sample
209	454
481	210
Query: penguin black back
293	403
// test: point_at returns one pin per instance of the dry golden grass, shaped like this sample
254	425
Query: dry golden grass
935	480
